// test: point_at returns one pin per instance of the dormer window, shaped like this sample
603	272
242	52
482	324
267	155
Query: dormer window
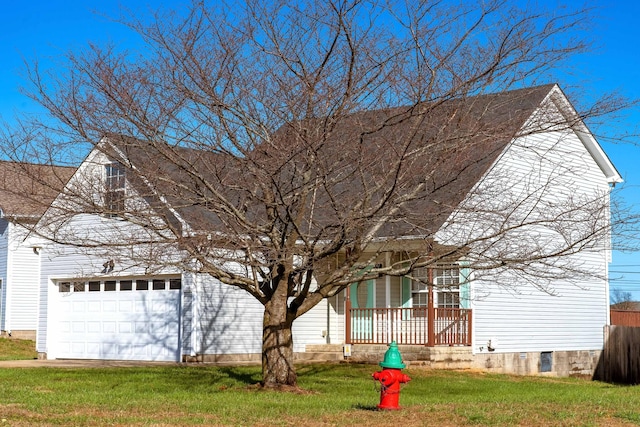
114	189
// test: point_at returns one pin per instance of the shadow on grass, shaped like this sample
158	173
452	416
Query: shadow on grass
344	370
242	376
366	407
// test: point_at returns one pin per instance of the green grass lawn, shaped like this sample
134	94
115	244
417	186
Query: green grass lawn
341	394
12	349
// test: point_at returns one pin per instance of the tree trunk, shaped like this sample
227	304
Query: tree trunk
277	346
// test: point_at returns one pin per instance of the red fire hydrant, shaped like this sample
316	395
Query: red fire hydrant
390	378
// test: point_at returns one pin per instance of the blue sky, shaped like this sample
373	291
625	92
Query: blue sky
46	29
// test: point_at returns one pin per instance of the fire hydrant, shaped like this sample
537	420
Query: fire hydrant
390	378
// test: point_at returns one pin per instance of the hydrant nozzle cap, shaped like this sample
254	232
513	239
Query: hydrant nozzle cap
392	358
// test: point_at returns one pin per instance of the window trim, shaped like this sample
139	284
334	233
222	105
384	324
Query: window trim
114	189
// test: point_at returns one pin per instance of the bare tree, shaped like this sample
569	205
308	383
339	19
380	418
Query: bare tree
283	146
622	300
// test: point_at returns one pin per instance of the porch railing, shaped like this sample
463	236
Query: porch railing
446	326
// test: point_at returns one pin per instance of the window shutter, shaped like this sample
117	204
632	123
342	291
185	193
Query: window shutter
406	296
465	284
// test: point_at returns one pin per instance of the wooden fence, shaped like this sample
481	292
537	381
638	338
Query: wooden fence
620	360
625	318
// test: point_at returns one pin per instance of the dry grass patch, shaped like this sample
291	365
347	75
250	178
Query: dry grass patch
15	349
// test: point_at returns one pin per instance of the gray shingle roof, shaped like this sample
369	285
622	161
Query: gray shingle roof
27	190
459	139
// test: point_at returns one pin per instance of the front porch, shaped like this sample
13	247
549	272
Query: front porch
429	327
429	308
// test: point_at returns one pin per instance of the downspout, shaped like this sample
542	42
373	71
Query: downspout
195	302
431	311
7	312
347	315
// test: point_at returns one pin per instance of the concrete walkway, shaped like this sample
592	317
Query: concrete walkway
74	363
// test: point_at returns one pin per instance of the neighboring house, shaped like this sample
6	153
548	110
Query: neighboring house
26	191
626	306
100	308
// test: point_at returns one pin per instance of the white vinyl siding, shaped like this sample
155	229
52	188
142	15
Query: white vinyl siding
230	321
532	320
509	311
19	271
311	326
23	271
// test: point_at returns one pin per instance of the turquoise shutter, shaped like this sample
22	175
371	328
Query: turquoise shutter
465	284
354	291
406	292
406	296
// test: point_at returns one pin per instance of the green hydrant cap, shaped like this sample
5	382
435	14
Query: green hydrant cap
392	358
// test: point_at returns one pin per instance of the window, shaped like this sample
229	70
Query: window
446	281
546	361
420	291
127	285
142	285
446	287
114	189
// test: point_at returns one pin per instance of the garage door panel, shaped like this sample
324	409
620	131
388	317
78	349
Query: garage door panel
109	350
93	327
109	306
64	327
64	347
108	327
141	327
159	328
139	351
93	350
126	307
140	306
162	305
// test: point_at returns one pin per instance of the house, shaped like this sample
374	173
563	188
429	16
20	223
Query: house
26	190
488	302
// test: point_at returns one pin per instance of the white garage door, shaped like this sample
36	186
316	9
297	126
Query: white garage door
137	319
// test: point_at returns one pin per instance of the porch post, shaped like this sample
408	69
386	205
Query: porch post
431	311
347	315
470	327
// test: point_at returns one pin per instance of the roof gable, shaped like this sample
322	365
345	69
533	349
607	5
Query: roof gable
572	117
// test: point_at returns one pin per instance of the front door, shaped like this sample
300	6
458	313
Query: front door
363	297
